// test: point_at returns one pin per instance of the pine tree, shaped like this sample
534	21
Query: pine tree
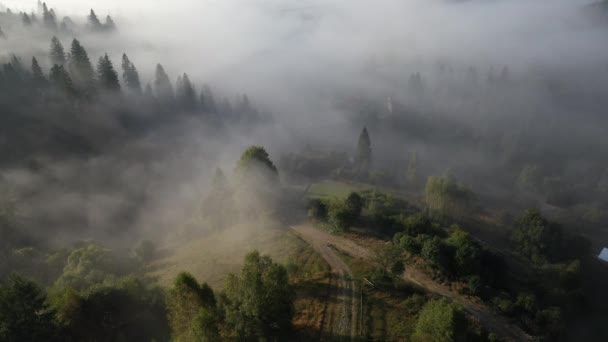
186	95
94	23
162	84
130	76
81	69
38	79
57	54
107	75
363	158
109	26
48	17
25	19
207	101
148	91
61	80
2	35
33	18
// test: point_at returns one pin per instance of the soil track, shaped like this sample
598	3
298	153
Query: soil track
336	317
340	314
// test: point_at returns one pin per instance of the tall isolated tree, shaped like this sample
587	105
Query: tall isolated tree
255	158
57	54
130	76
107	75
81	69
162	84
363	156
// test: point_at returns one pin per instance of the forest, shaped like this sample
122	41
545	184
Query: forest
301	172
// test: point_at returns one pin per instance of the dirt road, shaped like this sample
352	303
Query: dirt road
322	242
340	314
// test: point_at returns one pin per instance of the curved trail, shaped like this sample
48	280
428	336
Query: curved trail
322	242
340	313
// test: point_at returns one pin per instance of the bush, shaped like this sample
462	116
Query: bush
317	210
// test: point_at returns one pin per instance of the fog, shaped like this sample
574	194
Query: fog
303	63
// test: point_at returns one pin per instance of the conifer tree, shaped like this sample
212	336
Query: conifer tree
93	21
162	84
81	69
25	19
186	95
109	26
38	79
33	18
148	91
207	101
107	75
61	80
130	76
48	17
57	54
2	35
363	158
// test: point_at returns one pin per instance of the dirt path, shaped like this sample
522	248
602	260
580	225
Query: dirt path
340	314
321	242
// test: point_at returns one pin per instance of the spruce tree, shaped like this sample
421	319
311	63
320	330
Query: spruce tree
25	19
107	75
61	80
130	76
363	158
48	17
93	21
81	69
109	26
38	79
162	84
57	54
207	100
186	95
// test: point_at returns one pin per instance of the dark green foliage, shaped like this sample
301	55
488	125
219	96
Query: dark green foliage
418	223
354	202
340	216
435	252
317	210
186	300
447	198
536	238
130	76
255	158
467	253
24	314
259	301
440	321
107	76
205	327
123	311
57	54
363	156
